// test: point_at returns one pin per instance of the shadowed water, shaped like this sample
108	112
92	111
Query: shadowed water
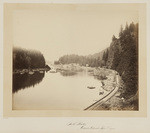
22	81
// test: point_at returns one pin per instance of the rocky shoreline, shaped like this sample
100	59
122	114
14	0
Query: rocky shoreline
31	71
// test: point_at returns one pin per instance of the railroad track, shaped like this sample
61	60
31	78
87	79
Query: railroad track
105	98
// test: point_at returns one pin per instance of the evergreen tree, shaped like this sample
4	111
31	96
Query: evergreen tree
114	38
121	31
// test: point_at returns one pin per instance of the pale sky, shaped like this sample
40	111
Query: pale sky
57	30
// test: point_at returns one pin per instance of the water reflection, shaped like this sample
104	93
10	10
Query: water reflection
22	81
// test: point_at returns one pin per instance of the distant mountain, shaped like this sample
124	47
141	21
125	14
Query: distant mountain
98	55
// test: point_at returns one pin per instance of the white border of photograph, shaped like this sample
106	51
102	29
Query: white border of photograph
111	124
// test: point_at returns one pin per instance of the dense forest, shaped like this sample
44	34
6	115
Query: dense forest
121	55
125	58
27	59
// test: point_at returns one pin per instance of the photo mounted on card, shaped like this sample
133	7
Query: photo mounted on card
76	60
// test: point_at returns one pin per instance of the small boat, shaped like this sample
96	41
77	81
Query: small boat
91	87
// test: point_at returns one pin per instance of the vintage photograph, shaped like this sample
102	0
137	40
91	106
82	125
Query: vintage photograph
75	57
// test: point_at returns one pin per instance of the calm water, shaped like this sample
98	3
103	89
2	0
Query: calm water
55	91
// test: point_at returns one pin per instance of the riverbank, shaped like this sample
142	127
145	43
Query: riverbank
115	100
30	71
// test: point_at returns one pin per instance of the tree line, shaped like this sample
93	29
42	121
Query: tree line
27	59
81	60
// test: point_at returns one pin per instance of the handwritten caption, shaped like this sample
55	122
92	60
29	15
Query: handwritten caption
82	125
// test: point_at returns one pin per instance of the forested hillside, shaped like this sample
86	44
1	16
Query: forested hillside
122	56
27	59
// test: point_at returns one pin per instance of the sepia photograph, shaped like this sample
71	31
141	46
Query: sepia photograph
79	57
75	57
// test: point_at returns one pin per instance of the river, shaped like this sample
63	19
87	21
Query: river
53	91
